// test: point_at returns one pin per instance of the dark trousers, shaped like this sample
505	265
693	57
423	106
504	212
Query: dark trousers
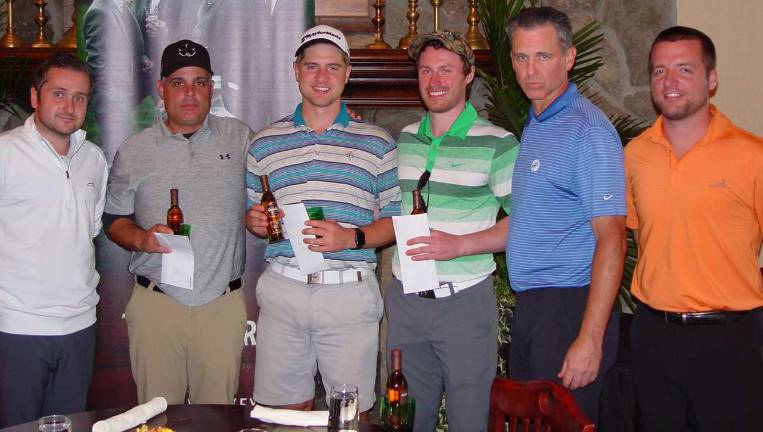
697	377
448	343
43	375
546	322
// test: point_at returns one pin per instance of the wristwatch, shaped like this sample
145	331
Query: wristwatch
360	239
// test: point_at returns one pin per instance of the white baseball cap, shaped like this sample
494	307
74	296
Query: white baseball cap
323	33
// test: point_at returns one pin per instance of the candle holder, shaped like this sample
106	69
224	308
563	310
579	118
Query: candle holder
10	39
378	21
413	17
436	8
473	36
40	19
69	39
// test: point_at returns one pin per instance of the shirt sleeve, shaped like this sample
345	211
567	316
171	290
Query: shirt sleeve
253	186
502	169
120	194
101	203
631	221
388	187
599	173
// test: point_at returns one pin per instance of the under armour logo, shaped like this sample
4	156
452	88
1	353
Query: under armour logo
186	50
225	156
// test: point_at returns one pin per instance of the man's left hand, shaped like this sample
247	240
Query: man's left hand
581	363
333	237
439	246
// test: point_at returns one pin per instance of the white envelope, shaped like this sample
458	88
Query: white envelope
417	275
177	266
294	223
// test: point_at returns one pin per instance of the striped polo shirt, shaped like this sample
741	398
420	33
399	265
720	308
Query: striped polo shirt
471	180
569	170
350	170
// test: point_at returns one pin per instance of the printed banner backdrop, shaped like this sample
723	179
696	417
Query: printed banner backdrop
251	44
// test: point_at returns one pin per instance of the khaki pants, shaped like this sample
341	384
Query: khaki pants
174	347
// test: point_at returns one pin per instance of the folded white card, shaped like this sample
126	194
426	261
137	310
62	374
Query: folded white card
294	223
133	417
177	266
290	417
417	275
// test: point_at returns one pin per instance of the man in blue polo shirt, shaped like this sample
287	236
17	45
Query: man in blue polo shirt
321	157
566	239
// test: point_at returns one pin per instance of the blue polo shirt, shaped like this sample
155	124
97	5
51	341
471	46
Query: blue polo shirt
569	170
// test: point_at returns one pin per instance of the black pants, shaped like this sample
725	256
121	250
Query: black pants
697	377
546	322
43	375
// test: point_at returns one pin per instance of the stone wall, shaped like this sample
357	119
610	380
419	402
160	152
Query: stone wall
621	86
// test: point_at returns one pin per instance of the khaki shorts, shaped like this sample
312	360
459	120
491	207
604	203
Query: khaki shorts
333	328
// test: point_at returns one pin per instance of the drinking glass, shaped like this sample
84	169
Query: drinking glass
54	423
343	408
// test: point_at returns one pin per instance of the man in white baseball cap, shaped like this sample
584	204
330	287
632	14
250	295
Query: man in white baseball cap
320	156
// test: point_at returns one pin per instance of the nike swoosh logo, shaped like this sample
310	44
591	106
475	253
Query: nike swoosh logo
607	197
456	165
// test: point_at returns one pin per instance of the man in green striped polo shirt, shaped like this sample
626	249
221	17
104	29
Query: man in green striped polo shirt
448	335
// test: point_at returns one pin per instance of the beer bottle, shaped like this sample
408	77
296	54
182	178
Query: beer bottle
174	214
275	231
397	395
418	203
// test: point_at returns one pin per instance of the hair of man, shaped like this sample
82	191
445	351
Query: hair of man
534	17
62	61
464	61
681	33
302	49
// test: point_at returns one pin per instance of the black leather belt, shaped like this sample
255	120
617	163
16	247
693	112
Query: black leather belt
146	282
426	294
697	318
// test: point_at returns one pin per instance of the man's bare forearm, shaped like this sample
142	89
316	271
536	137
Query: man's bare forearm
606	275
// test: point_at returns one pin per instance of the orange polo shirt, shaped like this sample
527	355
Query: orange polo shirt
699	219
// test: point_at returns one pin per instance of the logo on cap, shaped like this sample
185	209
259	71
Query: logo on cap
186	50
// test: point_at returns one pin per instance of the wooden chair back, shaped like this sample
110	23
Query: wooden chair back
534	406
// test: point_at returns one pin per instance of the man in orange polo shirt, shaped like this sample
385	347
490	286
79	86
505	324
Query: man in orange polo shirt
695	202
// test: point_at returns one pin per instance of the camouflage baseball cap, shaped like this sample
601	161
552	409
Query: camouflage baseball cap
453	42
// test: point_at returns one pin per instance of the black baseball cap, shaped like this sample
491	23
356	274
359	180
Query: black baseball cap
184	53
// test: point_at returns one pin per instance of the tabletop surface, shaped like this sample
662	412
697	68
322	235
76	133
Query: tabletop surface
187	418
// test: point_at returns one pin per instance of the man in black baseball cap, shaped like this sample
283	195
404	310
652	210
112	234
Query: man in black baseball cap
203	156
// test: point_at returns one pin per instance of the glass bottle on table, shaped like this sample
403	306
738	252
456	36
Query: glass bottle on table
396	418
175	214
275	230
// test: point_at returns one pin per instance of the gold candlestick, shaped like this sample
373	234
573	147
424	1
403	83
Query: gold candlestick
378	21
413	17
40	19
436	6
473	36
10	39
69	39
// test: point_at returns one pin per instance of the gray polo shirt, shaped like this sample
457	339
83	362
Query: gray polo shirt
208	169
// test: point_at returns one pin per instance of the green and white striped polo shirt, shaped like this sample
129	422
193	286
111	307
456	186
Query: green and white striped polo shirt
471	180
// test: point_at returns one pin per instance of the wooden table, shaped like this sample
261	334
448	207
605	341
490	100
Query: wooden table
188	418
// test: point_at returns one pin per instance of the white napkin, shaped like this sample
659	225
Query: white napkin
290	417
131	418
